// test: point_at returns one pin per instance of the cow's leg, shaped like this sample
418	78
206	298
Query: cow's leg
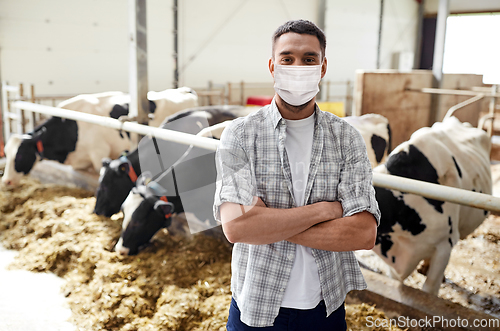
438	264
424	267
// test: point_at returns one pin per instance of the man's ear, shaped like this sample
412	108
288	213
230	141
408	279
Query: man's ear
323	68
271	67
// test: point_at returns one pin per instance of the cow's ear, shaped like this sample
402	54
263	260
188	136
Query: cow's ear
105	162
164	208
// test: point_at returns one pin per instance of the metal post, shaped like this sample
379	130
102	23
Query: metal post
437	61
138	62
492	110
209	95
420	26
381	20
7	123
176	46
228	93
33	114
348	99
321	25
21	119
242	93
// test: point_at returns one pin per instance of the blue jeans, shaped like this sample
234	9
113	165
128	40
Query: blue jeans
290	319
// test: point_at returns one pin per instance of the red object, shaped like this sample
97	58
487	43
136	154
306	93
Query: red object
39	146
165	200
259	100
132	174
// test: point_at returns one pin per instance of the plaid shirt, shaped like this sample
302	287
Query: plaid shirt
252	161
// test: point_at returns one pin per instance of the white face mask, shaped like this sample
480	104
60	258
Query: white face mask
296	85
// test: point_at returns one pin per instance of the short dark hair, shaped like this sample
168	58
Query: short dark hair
301	27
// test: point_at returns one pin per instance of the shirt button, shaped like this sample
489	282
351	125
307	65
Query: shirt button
282	289
290	257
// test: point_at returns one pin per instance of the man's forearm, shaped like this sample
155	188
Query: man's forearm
261	225
344	234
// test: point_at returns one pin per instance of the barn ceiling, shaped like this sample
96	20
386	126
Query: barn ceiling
464	6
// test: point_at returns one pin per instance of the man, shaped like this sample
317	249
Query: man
294	194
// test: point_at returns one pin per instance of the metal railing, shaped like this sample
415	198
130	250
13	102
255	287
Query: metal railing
428	190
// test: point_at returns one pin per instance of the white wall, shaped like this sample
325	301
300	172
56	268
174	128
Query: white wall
237	35
77	46
352	29
399	30
64	46
464	6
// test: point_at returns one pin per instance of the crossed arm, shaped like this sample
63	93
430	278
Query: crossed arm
319	225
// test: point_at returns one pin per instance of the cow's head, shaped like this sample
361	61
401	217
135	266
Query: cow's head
115	182
21	154
144	214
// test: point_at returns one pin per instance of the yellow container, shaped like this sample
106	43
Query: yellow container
336	108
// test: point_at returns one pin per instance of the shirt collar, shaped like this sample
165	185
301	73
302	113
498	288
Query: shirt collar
276	115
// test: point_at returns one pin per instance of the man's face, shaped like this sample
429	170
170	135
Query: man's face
297	49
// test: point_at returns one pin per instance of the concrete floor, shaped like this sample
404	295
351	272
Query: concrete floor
31	301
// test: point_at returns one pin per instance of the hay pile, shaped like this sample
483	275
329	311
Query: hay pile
364	317
174	284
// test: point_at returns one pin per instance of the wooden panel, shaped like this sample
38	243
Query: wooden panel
384	93
462	82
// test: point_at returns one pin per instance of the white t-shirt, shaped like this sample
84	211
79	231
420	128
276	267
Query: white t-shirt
303	290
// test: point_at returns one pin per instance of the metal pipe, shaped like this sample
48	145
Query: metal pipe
428	190
418	41
452	92
379	43
175	136
176	45
438	56
438	192
462	104
492	109
138	61
483	120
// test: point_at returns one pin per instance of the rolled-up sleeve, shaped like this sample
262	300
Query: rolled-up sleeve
355	190
235	182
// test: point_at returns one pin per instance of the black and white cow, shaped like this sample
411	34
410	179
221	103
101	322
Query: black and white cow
376	133
189	187
414	228
144	202
119	176
161	104
79	144
93	142
198	173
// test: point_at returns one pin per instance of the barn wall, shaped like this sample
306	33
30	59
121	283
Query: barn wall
352	31
462	81
385	93
81	46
